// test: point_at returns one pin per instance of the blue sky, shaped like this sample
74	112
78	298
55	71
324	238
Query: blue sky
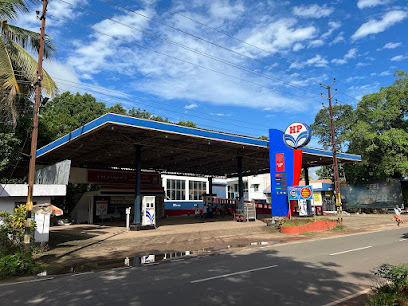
264	73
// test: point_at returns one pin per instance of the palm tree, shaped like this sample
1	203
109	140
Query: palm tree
18	68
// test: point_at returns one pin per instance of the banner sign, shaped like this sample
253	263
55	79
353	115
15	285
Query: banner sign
300	192
121	177
379	194
101	208
54	174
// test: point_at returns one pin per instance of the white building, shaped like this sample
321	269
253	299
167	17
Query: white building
12	195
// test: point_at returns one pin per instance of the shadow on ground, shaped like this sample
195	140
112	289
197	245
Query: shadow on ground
284	281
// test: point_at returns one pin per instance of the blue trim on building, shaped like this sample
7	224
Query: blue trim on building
182	204
321	152
173	128
149	124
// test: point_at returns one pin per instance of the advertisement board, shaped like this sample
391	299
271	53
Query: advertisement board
376	194
300	192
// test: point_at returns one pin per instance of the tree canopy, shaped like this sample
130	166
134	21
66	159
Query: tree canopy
18	68
377	129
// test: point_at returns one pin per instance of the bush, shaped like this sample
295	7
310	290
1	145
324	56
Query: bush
12	231
394	291
16	265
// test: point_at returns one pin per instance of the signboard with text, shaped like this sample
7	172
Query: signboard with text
300	192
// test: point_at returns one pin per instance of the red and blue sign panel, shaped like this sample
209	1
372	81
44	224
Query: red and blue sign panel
285	166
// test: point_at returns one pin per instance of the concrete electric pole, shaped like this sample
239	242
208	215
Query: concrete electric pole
34	135
334	150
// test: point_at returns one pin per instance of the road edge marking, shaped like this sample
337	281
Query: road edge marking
352	250
348	297
231	274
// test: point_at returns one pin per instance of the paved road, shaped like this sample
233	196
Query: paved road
304	273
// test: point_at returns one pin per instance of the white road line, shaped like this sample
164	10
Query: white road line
358	249
348	297
231	274
27	281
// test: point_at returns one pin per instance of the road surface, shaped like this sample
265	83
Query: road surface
303	273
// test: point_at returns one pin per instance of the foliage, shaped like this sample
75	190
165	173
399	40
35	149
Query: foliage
342	117
143	114
377	130
16	265
187	123
12	231
18	67
8	149
67	112
394	291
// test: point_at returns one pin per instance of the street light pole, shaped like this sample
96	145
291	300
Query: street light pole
34	135
334	151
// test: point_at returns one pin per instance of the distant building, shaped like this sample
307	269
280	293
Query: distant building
13	195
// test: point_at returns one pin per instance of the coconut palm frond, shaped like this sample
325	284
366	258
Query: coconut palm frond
28	66
7	77
27	38
10	8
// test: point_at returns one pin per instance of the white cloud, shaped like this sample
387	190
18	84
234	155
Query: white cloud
352	53
222	10
317	61
191	106
316	43
332	27
385	73
276	36
361	4
398	58
361	64
339	61
377	26
390	45
95	55
297	47
339	38
312	11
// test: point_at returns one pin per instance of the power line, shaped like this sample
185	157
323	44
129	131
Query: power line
186	47
135	102
178	59
220	46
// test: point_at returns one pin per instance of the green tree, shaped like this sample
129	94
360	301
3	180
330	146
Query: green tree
187	123
67	112
342	118
18	69
379	133
377	130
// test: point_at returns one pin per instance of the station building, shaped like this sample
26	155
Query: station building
129	158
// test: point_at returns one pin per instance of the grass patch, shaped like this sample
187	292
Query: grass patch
339	228
393	290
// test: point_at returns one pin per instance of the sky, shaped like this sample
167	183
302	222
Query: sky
234	66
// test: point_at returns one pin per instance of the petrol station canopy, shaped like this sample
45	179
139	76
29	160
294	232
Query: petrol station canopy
109	142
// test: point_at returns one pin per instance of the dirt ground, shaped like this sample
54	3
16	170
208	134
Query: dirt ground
76	244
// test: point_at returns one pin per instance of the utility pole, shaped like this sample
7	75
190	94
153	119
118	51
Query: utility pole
334	151
34	135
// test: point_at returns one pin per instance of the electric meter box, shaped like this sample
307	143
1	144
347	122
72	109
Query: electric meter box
149	211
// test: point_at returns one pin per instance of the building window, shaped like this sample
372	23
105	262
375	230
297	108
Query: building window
256	187
176	189
197	189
